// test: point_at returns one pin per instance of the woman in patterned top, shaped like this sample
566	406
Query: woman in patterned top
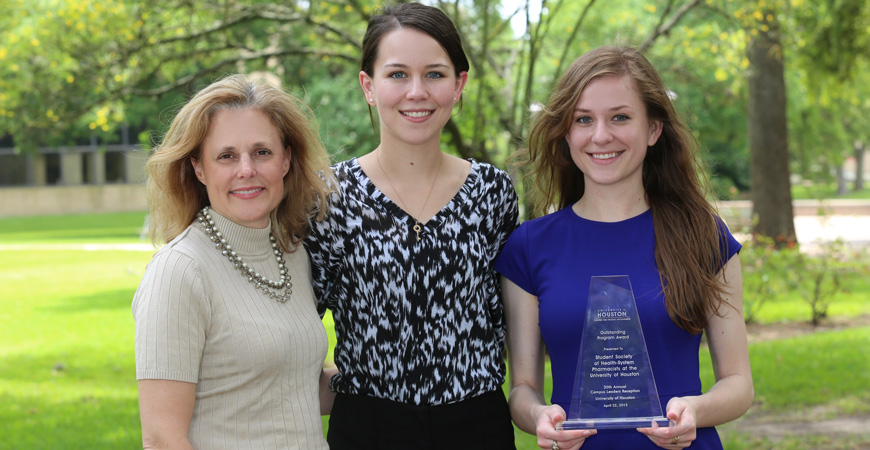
405	258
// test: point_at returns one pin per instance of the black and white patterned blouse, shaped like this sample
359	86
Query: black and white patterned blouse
415	322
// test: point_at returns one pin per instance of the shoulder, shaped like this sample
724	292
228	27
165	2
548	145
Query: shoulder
492	181
184	254
557	219
175	271
345	170
490	173
728	244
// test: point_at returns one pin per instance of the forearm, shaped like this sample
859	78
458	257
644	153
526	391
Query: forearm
526	405
327	397
157	443
727	400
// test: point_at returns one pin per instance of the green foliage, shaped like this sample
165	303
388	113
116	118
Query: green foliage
71	70
765	270
816	276
819	276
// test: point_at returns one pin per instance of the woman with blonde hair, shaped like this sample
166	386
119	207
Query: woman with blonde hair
610	152
229	344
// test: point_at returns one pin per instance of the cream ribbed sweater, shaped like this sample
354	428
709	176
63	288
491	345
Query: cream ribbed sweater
256	362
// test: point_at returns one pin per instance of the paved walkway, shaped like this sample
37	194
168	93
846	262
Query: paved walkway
814	229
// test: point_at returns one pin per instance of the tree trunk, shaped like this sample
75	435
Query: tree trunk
842	188
859	166
768	140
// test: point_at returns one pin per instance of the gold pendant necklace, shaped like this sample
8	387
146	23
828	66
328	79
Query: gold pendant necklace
417	228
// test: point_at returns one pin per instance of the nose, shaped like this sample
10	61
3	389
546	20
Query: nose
417	89
246	167
601	133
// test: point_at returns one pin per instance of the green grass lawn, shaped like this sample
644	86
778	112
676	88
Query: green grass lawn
67	371
826	190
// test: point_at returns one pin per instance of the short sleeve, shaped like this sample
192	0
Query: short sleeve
323	243
508	211
171	314
513	262
728	244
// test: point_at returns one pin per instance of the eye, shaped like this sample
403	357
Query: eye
620	118
435	75
584	119
396	75
263	152
225	156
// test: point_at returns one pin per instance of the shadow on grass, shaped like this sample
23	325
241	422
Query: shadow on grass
91	422
96	301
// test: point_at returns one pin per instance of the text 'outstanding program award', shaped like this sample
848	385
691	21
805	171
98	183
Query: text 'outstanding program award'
614	386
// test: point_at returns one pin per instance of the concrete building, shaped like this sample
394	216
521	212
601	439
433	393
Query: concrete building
71	180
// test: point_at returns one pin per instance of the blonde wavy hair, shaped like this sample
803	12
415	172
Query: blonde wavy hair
175	194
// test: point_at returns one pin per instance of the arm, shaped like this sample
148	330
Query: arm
732	394
529	410
166	408
327	397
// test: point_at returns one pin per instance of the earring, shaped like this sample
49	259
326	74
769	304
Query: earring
454	99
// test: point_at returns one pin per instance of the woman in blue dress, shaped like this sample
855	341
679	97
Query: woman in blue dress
610	152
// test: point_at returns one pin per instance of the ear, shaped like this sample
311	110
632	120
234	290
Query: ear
655	131
460	85
197	169
285	166
366	83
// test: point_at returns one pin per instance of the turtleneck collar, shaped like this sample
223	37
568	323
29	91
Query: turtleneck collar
245	241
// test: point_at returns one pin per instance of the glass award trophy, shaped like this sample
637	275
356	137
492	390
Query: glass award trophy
614	386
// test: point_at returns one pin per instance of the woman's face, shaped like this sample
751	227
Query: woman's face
610	133
414	87
242	165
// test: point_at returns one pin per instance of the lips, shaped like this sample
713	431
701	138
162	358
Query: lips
604	156
418	114
247	191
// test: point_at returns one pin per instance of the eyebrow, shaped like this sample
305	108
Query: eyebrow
258	144
428	66
615	108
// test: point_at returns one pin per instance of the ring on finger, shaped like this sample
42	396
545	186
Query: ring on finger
676	440
555	445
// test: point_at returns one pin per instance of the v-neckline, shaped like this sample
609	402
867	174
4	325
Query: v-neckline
375	194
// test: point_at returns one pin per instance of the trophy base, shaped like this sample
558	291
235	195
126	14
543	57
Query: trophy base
622	422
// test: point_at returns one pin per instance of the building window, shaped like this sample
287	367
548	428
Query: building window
115	167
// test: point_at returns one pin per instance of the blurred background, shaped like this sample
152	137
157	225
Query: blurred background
777	93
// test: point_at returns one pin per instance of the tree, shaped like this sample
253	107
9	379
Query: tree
768	132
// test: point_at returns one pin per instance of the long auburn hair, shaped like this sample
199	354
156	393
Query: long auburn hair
175	194
687	248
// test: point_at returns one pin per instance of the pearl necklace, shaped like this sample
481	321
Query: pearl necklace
258	280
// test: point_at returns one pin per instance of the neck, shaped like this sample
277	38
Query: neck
410	162
417	153
610	205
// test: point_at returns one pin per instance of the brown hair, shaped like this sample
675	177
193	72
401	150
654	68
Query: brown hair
687	247
175	194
